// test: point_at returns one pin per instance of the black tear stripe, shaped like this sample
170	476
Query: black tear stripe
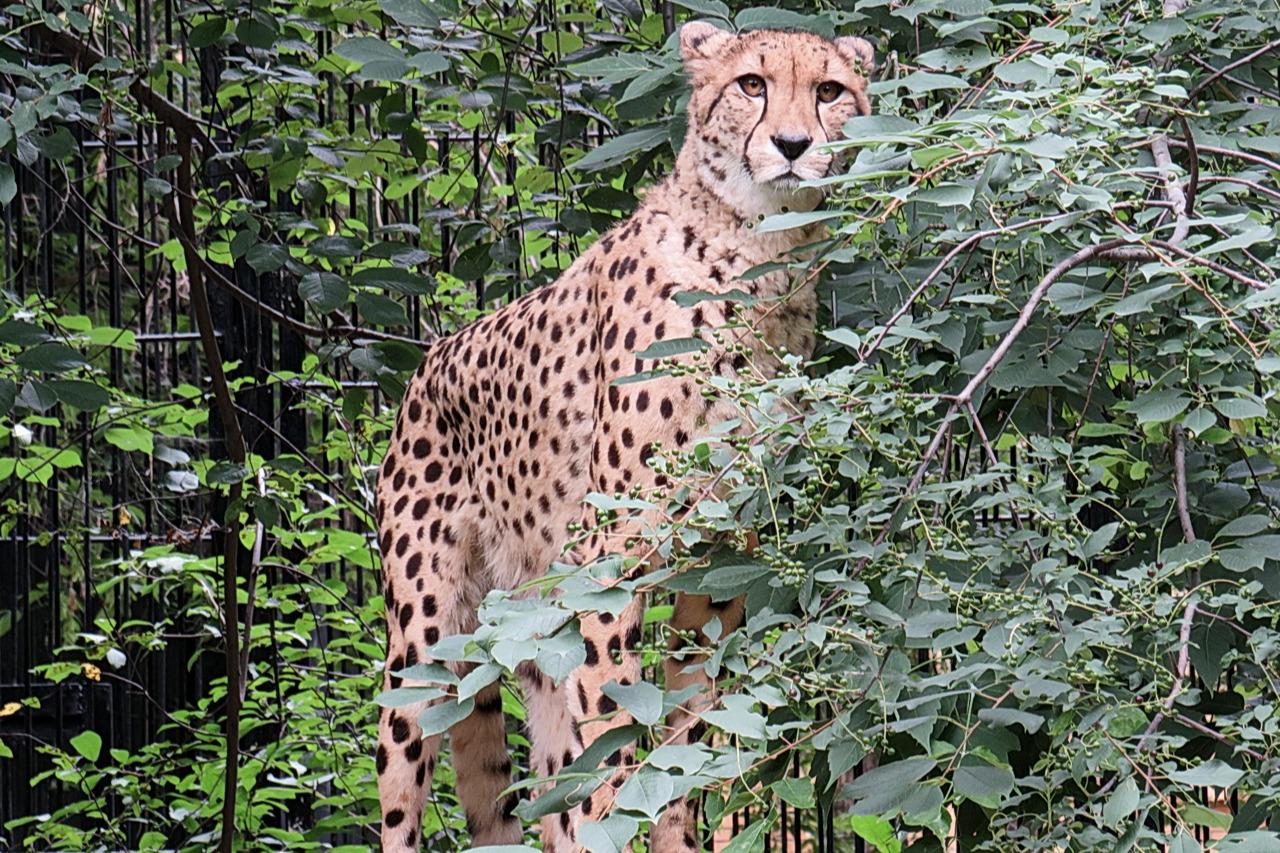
707	118
747	144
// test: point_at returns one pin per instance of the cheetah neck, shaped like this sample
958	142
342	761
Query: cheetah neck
713	201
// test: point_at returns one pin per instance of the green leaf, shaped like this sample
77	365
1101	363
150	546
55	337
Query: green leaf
946	195
88	744
982	783
619	148
1246	525
266	257
226	474
642	700
380	310
8	184
252	32
795	792
918	82
1212	773
877	832
1251	841
559	655
647	791
58	144
726	582
378	60
883	788
207	32
396	279
795	219
1159	406
411	13
440	717
751	839
399	697
1122	803
706	8
324	291
1198	815
736	717
8	396
156	187
689	758
1240	408
22	333
1008	717
51	358
609	835
85	396
37	395
673	347
131	439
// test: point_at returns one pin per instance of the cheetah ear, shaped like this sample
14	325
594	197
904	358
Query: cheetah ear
859	52
701	42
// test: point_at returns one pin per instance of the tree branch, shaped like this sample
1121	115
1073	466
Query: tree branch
964	244
1231	152
1231	66
183	217
85	56
1180	482
965	396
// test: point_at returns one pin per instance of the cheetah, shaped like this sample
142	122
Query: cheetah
510	423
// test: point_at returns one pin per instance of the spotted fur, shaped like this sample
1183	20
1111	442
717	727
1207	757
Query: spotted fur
511	422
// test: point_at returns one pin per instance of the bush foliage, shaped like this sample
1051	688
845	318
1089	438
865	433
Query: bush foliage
1018	516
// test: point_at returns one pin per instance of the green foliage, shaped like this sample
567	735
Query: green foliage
973	566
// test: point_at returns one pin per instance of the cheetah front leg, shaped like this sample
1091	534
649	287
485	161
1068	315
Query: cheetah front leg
612	656
677	829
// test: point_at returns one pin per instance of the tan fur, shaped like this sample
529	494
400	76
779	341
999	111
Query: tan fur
510	423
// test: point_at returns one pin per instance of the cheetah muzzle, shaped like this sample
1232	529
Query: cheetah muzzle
510	423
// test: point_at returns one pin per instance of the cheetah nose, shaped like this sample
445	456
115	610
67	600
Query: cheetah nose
791	146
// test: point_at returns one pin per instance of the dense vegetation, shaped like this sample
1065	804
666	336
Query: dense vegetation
1019	517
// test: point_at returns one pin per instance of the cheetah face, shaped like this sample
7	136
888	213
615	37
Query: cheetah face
763	103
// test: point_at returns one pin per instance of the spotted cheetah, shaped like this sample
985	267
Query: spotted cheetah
510	423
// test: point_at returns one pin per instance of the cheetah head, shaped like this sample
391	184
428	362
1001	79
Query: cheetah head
762	105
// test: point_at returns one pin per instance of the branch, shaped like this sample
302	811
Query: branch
1218	736
1130	252
1231	152
1172	189
1180	482
941	265
85	56
965	396
1180	674
1231	66
183	218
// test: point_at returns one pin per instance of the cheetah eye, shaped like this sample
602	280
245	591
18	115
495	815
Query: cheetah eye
752	85
829	91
